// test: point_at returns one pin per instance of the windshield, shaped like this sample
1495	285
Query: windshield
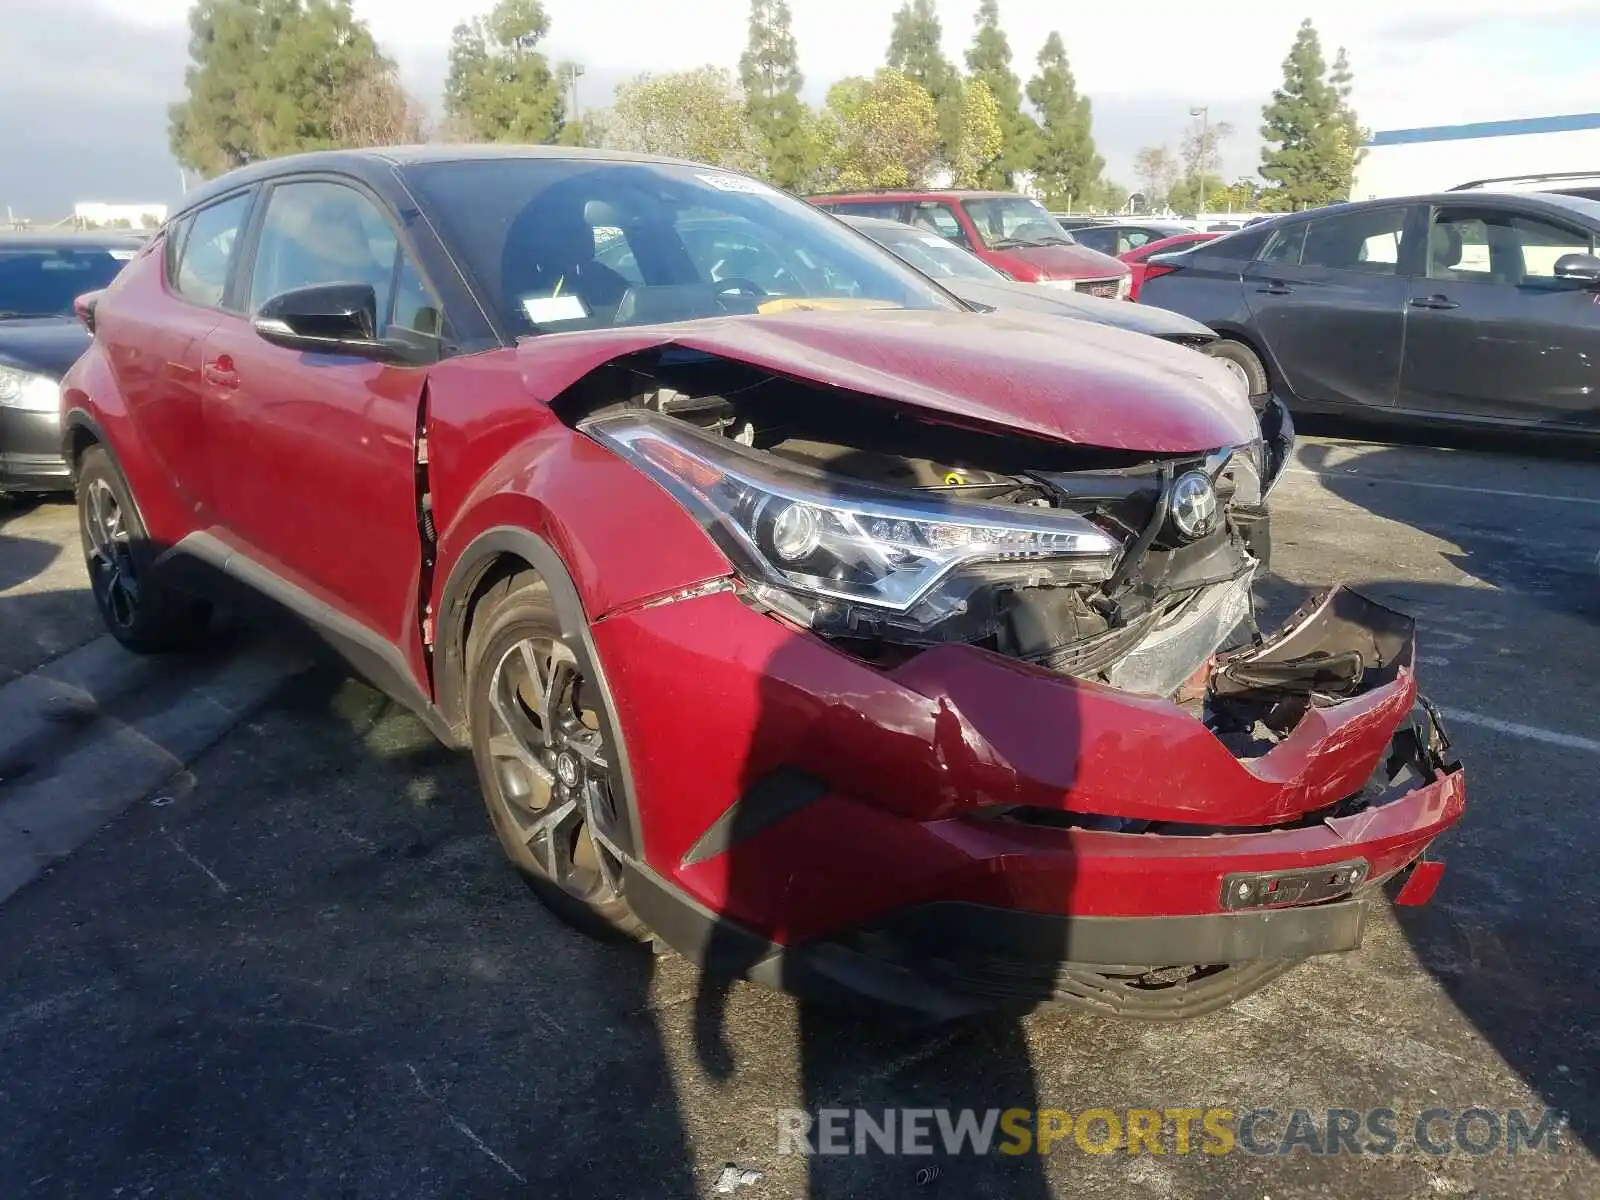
932	254
1004	222
44	281
563	244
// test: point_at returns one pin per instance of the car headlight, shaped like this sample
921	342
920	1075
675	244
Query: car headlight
1070	285
1125	287
848	557
28	392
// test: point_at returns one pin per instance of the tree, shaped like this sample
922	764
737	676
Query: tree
1202	162
769	72
989	59
981	136
916	50
1352	142
500	88
1192	192
1156	170
885	131
699	115
1307	135
375	111
267	77
1066	164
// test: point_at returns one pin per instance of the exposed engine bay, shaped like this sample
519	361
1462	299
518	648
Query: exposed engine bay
885	531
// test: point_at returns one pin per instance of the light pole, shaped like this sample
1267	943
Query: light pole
573	71
1204	113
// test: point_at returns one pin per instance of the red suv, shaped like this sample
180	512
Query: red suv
1013	233
825	630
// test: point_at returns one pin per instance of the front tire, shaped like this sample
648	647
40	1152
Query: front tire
137	609
540	744
1243	362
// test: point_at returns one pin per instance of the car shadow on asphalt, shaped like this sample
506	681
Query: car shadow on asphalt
804	859
1512	935
23	558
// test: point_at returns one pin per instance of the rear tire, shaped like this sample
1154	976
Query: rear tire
141	613
539	742
1244	362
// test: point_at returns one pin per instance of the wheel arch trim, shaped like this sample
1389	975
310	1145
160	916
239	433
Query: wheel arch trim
471	567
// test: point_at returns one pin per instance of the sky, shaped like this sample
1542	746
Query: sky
85	84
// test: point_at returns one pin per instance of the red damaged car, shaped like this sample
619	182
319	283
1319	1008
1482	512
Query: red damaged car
797	617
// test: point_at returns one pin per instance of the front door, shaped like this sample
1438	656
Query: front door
1329	300
317	452
1492	332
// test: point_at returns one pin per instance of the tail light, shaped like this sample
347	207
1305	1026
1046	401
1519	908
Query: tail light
1150	272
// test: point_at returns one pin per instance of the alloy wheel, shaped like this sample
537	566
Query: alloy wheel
550	765
110	547
1236	370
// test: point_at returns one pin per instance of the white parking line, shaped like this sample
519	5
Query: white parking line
1568	741
1443	487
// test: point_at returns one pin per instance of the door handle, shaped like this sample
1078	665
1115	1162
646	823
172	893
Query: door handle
1275	287
1433	302
219	372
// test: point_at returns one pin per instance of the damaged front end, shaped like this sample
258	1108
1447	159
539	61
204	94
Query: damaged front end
887	533
1067	765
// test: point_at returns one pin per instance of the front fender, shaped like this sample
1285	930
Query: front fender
93	409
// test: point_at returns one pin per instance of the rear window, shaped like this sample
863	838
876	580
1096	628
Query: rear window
43	282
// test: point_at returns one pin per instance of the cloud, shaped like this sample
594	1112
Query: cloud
83	107
85	84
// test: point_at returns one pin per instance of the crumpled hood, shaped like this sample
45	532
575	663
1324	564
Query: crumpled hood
1086	384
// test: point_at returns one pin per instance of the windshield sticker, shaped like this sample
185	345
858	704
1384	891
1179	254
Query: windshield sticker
123	255
546	310
735	183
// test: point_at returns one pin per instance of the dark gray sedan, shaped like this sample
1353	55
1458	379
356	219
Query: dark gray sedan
40	337
1466	307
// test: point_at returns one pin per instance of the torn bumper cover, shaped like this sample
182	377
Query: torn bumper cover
972	830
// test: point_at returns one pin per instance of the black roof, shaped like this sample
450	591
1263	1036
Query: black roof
364	163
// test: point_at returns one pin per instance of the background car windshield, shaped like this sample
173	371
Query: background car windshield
44	282
934	255
560	245
1005	219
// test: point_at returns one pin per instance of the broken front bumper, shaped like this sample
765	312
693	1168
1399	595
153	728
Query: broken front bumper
815	803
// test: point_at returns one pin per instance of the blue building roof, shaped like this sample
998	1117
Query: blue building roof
1484	129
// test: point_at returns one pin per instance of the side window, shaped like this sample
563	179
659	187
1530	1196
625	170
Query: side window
205	251
315	233
415	309
1543	243
1284	246
942	219
1460	246
1343	242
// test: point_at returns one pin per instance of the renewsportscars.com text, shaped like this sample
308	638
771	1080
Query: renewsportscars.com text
1259	1131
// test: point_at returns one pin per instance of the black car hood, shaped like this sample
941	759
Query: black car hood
1120	314
44	345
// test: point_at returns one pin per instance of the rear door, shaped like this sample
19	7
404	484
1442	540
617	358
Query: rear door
316	453
1492	332
1328	297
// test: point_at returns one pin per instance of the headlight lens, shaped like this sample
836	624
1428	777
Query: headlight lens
1124	287
28	392
849	557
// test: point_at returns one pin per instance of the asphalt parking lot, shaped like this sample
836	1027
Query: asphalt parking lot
296	964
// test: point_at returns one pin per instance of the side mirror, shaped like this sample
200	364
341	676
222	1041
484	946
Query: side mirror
1581	268
333	318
